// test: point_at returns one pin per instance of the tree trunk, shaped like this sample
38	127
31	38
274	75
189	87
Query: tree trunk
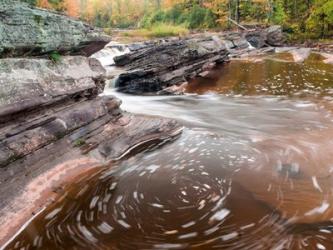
237	11
158	4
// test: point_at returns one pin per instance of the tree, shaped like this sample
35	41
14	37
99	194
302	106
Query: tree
71	7
300	17
320	21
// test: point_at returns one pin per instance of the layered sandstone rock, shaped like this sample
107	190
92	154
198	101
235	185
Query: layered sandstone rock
52	121
42	102
154	67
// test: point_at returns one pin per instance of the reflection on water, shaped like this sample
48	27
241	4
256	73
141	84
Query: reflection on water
249	172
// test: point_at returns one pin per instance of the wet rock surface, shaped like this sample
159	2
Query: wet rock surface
26	30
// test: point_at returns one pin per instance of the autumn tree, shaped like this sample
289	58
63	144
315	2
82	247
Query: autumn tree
306	17
71	7
320	21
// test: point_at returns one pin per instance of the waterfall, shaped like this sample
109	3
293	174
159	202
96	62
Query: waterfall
111	50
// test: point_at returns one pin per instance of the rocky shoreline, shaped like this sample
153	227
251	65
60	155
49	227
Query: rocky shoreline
53	123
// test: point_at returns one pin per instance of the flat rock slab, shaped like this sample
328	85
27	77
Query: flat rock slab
25	30
153	66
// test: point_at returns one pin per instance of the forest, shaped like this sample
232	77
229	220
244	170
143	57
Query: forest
301	19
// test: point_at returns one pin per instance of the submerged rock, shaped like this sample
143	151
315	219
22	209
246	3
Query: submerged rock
291	170
25	30
300	54
174	90
328	58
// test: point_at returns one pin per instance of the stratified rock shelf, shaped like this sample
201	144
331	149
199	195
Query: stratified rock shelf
157	66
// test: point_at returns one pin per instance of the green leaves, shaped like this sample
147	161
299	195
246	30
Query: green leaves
320	22
55	57
193	17
302	18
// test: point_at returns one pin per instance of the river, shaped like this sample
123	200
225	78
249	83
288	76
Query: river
253	169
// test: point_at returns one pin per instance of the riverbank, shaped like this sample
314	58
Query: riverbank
53	123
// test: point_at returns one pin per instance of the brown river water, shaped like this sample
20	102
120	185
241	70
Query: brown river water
253	169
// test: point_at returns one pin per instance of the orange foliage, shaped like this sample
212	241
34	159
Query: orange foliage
115	11
72	7
43	4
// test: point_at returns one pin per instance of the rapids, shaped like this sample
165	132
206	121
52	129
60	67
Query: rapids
253	169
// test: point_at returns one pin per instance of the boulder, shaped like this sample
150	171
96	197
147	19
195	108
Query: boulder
256	39
272	36
275	36
25	30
